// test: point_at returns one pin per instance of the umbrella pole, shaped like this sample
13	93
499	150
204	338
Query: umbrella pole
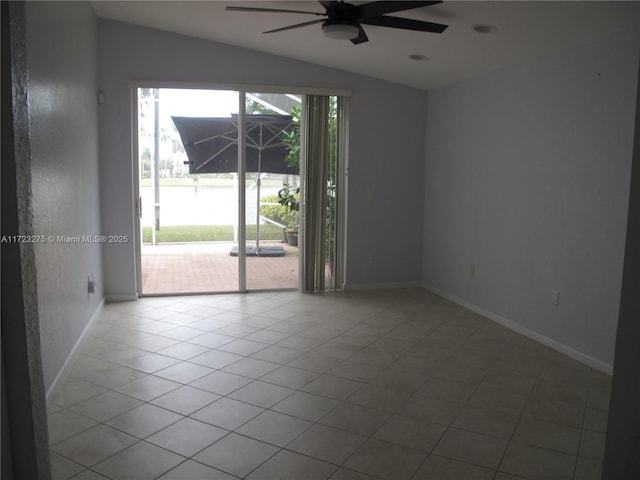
258	181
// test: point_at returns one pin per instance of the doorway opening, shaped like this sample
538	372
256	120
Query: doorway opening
219	191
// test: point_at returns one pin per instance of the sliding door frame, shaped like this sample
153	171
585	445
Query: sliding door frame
242	90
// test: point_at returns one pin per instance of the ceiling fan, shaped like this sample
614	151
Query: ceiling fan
344	21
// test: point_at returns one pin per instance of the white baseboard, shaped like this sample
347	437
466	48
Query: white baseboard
122	297
380	286
64	371
511	325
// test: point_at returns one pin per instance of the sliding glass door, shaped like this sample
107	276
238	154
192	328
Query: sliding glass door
272	149
222	205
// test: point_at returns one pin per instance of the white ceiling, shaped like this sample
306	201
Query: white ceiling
525	30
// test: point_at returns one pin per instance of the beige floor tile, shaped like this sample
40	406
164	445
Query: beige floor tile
474	448
563	390
274	428
222	383
215	358
306	406
142	461
185	400
355	371
236	454
498	400
314	362
291	377
386	460
517	384
441	468
93	445
446	389
548	435
332	387
588	469
592	445
74	391
328	444
212	339
435	410
63	468
191	470
292	465
183	372
152	362
63	424
356	419
261	394
399	380
346	474
554	411
489	422
106	405
243	347
148	388
144	420
187	437
411	432
89	475
277	354
595	419
251	367
537	463
227	413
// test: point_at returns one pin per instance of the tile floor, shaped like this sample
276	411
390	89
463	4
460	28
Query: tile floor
387	385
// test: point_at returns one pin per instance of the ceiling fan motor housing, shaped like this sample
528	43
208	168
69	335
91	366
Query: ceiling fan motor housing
340	29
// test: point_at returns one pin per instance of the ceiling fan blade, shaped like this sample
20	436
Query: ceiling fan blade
258	9
297	25
361	38
374	9
405	24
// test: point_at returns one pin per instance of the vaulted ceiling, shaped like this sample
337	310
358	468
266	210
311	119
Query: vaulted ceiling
523	31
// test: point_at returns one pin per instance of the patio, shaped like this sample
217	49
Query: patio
179	268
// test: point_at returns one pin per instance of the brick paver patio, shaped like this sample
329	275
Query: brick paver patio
208	267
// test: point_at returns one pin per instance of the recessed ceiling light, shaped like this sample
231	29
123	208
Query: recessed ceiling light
418	57
484	28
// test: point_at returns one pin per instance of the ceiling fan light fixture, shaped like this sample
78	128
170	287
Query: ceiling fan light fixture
340	31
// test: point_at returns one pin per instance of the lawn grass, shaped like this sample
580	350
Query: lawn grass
207	182
208	233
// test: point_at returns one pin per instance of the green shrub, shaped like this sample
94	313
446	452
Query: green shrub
278	213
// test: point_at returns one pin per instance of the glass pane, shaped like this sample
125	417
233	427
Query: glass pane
188	155
272	181
330	240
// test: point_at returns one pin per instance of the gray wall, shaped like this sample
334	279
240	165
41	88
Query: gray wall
527	178
62	50
386	145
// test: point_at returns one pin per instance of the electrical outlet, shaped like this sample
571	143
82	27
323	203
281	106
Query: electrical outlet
555	297
92	286
472	271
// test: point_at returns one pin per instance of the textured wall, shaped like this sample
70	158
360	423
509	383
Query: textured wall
62	49
386	145
527	179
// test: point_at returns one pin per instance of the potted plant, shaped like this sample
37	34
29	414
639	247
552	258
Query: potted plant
289	198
